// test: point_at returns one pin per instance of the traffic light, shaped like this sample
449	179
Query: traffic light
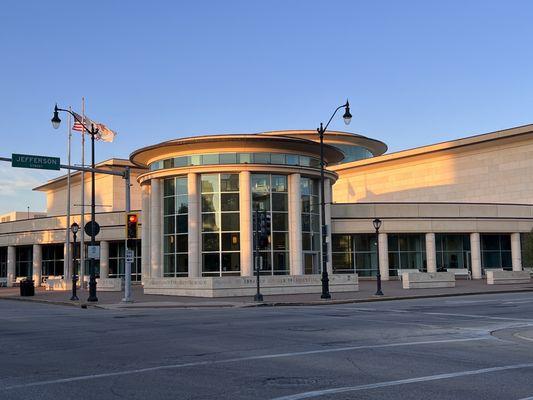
264	229
132	229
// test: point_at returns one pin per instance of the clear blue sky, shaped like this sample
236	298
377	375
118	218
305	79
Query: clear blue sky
416	72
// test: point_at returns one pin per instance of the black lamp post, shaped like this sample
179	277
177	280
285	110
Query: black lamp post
377	225
56	121
321	130
74	228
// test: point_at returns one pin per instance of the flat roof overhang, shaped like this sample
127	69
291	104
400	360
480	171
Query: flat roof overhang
216	143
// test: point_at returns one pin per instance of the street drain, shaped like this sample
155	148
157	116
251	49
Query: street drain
290	381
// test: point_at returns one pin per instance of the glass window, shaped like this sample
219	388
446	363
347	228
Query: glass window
292	159
261	158
244	158
277	158
220	222
175	227
406	251
209	159
228	158
496	251
452	251
269	195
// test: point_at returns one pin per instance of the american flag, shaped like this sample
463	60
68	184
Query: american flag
78	125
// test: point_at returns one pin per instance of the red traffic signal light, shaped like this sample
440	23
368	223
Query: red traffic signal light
132	229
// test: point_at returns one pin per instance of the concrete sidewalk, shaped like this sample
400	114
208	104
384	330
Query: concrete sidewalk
392	290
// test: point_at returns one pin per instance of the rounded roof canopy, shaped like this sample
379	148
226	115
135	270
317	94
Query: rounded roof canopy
217	144
376	147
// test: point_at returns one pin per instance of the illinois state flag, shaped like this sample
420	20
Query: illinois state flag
104	133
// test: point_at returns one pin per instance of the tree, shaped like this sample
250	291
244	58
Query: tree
527	250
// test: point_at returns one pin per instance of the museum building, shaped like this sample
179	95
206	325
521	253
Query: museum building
462	204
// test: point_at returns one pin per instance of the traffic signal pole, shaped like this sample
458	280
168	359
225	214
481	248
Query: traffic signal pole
258	296
127	269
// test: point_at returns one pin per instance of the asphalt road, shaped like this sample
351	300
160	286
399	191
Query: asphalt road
472	347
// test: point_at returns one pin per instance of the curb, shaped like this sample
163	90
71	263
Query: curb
119	306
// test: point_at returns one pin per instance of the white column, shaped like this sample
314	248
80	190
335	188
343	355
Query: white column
431	253
475	254
246	223
156	270
104	259
194	267
68	250
383	244
145	231
11	258
516	252
37	260
295	225
327	190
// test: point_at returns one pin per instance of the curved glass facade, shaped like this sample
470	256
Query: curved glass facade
220	224
270	194
310	224
236	158
175	227
353	153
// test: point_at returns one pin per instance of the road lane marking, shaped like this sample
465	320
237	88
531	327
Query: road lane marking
477	316
239	359
345	389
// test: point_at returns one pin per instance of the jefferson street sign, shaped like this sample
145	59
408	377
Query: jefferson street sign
39	162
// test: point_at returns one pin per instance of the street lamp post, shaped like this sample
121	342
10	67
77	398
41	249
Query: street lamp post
377	225
321	130
56	121
74	229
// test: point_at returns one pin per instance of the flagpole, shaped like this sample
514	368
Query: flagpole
66	263
82	230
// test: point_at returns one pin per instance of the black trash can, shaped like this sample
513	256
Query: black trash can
27	288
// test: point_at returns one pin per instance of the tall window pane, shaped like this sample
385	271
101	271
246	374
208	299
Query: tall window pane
220	224
175	228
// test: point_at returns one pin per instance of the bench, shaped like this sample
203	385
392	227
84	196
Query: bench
486	270
460	272
55	284
507	277
529	269
427	280
401	271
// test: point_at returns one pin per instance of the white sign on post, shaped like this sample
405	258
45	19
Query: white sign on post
93	252
129	255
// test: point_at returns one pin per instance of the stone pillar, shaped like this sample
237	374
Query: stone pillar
145	231
516	252
156	270
475	255
327	191
104	259
68	251
37	264
246	223
431	253
11	259
383	244
195	223
295	225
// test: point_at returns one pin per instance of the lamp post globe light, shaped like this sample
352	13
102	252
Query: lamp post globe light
321	130
377	225
74	228
56	121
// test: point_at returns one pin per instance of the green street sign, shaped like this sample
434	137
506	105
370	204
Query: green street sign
39	162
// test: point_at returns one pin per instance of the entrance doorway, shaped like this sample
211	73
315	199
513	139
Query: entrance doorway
311	265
